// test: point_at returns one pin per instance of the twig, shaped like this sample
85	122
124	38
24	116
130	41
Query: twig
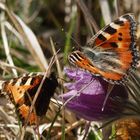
69	128
5	44
3	64
87	15
105	11
56	59
47	73
117	9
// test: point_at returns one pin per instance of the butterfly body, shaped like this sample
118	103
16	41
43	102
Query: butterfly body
22	90
112	52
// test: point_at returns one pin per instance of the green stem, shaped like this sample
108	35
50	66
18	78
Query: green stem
68	38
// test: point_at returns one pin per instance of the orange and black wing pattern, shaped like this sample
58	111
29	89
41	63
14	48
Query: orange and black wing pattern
21	92
112	52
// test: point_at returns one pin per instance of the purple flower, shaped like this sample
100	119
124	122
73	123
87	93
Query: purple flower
89	93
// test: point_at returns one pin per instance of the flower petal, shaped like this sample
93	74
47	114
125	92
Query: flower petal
89	94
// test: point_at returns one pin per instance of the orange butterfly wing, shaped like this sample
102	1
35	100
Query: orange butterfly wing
21	92
111	53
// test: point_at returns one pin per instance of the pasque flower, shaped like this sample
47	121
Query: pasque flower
88	94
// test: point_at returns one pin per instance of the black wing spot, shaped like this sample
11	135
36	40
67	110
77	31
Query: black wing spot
119	38
101	37
14	82
110	30
24	80
120	34
119	22
20	91
114	45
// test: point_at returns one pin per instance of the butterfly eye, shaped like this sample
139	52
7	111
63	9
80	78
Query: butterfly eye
120	34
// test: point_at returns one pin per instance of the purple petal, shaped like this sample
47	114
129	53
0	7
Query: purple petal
76	74
89	94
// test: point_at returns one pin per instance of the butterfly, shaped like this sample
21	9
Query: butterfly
112	52
21	92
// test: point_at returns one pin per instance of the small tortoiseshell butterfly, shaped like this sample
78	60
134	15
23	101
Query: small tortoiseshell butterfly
22	90
112	52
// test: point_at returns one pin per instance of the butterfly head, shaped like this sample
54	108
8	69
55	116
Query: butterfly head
53	79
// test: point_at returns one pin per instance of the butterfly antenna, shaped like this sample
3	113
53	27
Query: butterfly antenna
110	88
